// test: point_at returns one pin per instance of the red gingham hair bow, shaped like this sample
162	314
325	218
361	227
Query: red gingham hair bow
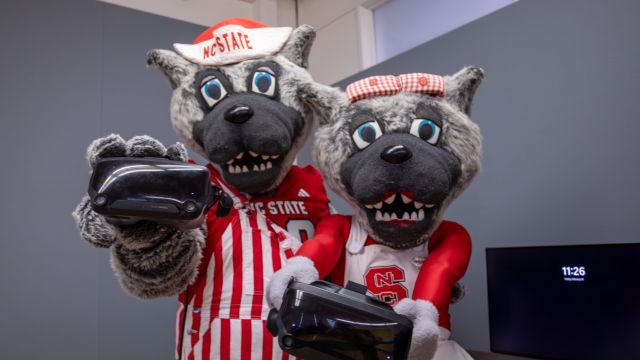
390	85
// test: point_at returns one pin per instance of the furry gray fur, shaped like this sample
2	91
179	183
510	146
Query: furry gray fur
424	339
292	81
299	268
93	227
460	138
161	265
150	260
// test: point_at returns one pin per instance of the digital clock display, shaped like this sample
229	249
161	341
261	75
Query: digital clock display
574	273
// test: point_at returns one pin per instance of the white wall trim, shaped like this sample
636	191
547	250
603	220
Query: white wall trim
367	34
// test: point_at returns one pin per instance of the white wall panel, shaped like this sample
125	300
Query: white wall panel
320	13
336	53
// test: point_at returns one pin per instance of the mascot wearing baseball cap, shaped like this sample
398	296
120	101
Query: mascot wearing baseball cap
243	99
399	153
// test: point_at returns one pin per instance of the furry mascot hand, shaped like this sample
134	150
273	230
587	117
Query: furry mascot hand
424	340
298	268
135	245
94	227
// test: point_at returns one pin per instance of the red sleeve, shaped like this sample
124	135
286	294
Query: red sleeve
449	254
326	246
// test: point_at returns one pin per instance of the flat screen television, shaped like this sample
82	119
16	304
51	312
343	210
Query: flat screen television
565	302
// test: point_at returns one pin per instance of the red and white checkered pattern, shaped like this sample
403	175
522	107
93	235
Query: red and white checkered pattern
390	85
423	83
373	86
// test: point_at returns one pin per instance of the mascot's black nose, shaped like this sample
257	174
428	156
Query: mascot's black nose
238	114
396	154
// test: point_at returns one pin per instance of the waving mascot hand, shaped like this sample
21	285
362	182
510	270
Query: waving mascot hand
399	153
239	100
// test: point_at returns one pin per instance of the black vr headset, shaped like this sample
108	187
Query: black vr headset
325	321
126	190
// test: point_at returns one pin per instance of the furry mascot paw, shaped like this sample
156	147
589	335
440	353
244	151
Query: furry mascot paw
140	249
424	340
93	227
298	268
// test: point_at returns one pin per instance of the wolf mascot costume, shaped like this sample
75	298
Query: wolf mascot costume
399	152
239	100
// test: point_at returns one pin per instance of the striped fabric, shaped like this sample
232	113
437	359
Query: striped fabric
227	310
388	85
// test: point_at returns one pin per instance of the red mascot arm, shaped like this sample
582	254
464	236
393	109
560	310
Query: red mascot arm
449	254
327	244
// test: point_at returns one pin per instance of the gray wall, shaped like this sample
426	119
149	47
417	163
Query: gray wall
557	111
560	117
72	71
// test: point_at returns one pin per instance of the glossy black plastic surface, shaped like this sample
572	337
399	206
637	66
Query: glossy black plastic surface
325	321
128	190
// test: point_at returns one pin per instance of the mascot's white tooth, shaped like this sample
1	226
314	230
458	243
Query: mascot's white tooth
256	168
368	206
230	161
429	205
265	157
414	216
390	199
405	216
262	167
394	216
405	198
386	217
239	156
253	154
275	156
379	215
417	205
232	169
420	214
378	205
238	169
269	165
245	168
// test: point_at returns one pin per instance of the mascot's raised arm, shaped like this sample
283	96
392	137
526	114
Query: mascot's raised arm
399	153
240	99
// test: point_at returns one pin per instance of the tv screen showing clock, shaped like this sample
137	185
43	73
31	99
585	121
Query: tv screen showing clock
565	302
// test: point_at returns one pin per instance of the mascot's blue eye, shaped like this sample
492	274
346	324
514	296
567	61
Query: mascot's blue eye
212	91
366	133
426	130
263	83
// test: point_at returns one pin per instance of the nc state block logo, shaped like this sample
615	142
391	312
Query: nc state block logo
385	282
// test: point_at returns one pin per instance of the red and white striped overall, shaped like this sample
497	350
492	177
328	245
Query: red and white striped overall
226	310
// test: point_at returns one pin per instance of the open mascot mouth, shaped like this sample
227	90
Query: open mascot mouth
399	208
252	172
249	161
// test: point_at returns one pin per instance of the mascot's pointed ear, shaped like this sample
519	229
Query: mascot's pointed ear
297	48
461	87
172	65
326	102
